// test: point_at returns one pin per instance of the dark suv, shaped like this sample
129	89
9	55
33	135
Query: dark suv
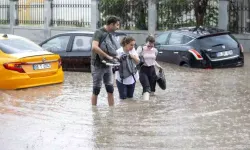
199	48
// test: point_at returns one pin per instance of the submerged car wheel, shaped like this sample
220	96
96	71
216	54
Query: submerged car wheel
184	64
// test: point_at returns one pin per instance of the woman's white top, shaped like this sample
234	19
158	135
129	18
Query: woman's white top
129	80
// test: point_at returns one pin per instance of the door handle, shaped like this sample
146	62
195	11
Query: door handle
176	52
160	52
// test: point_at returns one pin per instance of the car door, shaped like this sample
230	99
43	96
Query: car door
184	49
80	52
58	45
174	47
161	43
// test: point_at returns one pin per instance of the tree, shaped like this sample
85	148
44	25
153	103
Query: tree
181	13
234	16
174	14
133	13
200	7
171	13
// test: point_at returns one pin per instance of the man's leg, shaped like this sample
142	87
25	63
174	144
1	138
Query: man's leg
111	99
97	74
96	91
94	99
109	85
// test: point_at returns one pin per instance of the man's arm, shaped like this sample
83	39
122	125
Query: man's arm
97	50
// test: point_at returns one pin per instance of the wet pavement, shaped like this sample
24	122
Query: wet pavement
200	109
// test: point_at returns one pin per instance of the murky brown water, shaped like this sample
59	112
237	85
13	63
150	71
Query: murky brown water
200	109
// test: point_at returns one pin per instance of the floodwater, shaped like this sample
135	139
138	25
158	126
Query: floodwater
200	109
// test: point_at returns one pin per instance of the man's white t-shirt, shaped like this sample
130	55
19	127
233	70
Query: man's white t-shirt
129	80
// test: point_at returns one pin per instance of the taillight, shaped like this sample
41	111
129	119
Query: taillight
59	63
14	67
196	54
241	48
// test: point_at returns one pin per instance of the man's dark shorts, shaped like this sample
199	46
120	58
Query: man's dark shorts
101	74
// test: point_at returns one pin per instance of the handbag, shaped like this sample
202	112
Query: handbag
141	63
161	81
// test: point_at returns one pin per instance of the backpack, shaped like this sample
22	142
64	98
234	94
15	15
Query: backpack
108	44
127	67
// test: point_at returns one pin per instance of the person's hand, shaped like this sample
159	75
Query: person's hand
132	56
116	57
124	56
160	68
109	57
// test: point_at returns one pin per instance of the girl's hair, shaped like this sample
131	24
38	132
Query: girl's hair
150	39
126	40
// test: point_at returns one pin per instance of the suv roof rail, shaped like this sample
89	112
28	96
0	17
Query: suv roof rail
203	30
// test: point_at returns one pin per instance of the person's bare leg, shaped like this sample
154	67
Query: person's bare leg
111	99
94	99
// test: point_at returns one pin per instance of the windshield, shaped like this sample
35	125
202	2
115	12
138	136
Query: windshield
218	40
12	46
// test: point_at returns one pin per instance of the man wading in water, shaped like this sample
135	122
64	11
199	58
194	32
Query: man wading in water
104	48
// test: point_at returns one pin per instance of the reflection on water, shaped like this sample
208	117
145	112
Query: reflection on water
200	109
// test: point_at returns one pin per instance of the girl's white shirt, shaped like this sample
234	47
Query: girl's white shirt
129	80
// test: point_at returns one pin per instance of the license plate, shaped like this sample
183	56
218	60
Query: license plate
41	66
225	53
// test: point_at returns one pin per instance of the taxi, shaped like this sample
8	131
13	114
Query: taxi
24	64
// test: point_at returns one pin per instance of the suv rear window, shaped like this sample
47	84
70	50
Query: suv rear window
224	39
11	46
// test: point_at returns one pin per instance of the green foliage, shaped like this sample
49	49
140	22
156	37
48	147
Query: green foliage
212	13
133	13
171	13
174	13
180	13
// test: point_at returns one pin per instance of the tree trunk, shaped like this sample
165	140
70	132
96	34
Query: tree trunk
200	7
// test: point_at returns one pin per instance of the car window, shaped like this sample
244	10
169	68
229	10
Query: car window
212	41
57	44
186	39
12	46
82	43
162	39
175	38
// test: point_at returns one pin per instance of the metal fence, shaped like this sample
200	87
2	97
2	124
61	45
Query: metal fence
30	13
133	13
71	13
4	12
239	16
172	14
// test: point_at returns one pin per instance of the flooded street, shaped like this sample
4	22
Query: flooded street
200	109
